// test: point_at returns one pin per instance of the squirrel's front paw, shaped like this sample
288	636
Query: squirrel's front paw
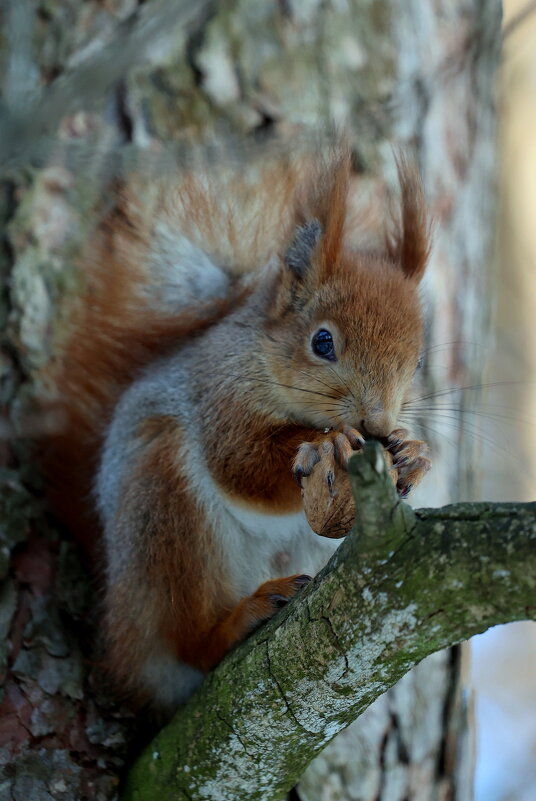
410	459
336	448
320	469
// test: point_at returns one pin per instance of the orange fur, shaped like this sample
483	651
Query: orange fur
410	244
111	336
177	568
175	594
111	333
245	617
186	603
334	211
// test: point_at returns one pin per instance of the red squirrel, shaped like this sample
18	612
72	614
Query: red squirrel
229	343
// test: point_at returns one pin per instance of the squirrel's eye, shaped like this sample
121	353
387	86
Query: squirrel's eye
322	345
420	362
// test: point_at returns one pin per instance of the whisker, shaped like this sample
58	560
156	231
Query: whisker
438	433
442	392
315	378
477	412
453	342
321	404
467	428
339	416
481	405
454	424
285	386
341	379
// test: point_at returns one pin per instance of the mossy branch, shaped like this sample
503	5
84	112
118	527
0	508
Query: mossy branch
403	584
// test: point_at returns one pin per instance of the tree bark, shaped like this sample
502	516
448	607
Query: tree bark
115	89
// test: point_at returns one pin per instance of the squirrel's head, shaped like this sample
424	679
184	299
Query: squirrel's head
344	335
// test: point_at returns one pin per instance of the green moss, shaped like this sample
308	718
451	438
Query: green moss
402	594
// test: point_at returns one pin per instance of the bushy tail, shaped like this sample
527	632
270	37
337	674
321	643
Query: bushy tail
129	312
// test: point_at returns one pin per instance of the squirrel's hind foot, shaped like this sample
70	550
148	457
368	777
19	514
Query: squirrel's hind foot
249	613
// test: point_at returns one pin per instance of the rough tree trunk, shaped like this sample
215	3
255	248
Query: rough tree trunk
419	73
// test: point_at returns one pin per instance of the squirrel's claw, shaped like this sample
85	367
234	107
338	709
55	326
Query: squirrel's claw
410	459
337	444
305	460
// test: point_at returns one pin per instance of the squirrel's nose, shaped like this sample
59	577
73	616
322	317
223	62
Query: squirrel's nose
378	423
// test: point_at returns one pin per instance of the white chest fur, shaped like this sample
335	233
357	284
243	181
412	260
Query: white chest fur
263	546
254	547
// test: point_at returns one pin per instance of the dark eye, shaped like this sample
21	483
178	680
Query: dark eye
420	362
322	345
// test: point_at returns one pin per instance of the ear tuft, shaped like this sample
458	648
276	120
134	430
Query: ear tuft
299	254
409	246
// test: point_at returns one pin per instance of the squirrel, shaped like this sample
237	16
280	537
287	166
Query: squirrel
230	345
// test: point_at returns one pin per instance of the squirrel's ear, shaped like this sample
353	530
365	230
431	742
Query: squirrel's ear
324	205
409	245
299	254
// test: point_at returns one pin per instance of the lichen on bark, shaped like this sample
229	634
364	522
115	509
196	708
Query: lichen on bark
403	585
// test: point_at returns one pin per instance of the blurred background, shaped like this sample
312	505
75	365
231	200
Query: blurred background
504	659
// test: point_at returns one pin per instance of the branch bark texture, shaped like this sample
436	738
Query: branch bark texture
403	584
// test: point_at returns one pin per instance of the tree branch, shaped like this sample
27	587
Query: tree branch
402	585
